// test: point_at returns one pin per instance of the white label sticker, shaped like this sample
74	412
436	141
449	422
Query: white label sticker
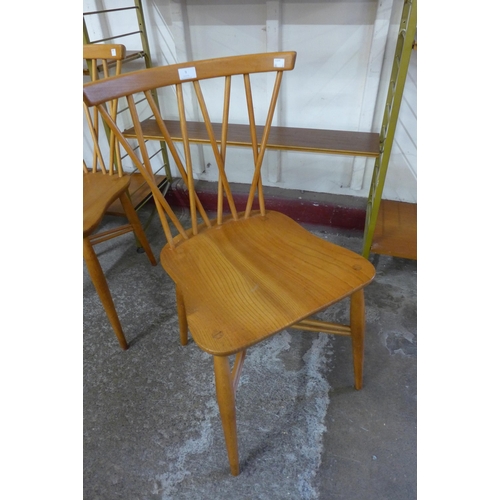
187	73
113	52
279	63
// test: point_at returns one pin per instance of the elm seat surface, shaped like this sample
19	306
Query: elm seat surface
245	280
99	192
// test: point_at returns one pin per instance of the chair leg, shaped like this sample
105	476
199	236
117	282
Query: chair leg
181	313
357	318
101	286
133	218
227	409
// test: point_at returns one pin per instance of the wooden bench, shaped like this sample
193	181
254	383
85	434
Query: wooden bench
336	142
281	138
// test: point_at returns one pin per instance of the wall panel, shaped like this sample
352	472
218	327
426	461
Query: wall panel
339	47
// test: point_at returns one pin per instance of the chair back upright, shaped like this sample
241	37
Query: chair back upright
106	59
100	94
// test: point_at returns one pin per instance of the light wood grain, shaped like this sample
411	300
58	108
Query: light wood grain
351	143
396	230
313	325
248	279
243	276
99	192
104	51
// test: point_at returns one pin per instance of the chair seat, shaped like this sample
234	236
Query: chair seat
248	279
99	192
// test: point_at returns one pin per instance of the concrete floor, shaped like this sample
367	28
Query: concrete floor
151	423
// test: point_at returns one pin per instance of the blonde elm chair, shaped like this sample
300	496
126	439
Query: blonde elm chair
247	273
104	182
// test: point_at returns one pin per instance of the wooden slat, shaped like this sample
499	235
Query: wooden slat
285	138
138	190
313	325
396	230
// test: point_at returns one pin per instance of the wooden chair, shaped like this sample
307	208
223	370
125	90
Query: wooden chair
103	185
245	274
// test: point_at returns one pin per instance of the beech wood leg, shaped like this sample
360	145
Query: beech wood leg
101	286
133	218
181	313
357	318
227	409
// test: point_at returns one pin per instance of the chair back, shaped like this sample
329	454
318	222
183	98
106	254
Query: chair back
105	59
177	77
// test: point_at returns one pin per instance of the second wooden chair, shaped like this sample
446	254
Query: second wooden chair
104	182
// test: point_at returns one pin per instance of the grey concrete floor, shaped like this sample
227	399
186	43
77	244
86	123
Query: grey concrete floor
151	423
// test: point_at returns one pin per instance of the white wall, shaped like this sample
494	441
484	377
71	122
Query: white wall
344	56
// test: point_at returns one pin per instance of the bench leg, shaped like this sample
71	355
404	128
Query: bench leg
357	318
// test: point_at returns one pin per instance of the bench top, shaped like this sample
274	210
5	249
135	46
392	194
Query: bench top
281	138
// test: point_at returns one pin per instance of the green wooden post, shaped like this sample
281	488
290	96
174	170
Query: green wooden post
406	37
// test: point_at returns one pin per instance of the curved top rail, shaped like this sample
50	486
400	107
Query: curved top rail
152	78
111	51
